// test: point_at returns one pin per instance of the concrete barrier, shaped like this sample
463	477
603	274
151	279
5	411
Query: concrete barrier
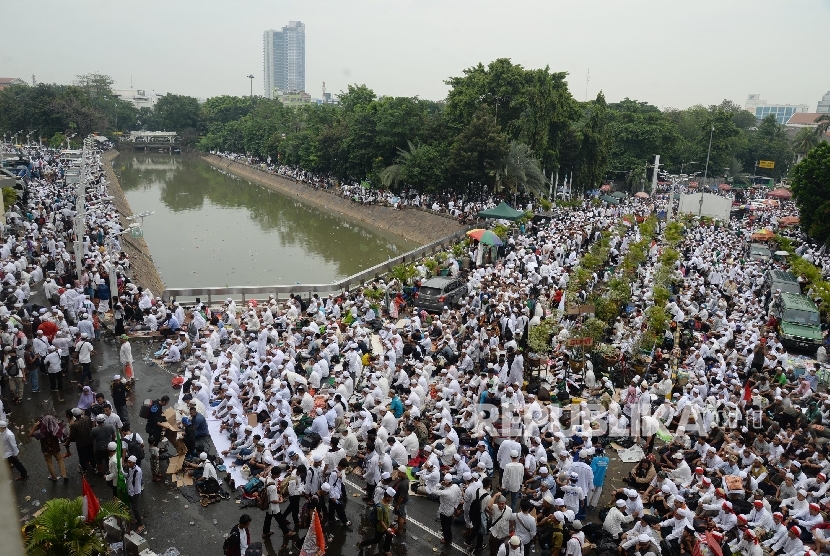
245	293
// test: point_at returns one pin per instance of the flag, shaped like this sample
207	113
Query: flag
91	506
315	540
121	485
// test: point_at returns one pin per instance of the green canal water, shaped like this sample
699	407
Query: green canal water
214	229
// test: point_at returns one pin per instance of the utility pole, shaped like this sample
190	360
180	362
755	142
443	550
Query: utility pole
654	175
587	79
251	77
706	172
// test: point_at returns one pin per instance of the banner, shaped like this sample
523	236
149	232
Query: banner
121	485
766	164
315	540
91	506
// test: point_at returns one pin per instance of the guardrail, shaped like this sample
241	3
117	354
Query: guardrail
338	286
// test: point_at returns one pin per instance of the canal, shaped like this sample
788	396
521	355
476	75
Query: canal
214	229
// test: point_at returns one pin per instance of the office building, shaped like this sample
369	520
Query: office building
283	55
138	97
782	112
823	106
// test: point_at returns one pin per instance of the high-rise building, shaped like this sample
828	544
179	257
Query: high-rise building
824	104
283	55
782	112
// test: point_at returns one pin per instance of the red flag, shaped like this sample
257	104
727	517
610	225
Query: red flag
315	540
91	505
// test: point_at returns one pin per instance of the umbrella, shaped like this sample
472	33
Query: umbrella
763	235
487	237
641	195
618	194
725	187
789	220
605	188
780	193
610	200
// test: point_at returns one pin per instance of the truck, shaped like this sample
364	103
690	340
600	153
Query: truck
799	321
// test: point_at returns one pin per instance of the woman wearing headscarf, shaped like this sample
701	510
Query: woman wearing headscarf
87	399
49	431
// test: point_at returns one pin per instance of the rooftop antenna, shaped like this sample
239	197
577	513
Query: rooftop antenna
34	83
324	89
587	78
131	82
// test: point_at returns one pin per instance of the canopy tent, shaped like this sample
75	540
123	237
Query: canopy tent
618	194
789	220
780	193
501	212
763	235
641	195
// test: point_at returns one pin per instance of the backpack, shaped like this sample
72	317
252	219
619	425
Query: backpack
311	440
373	515
262	501
144	411
253	484
135	448
475	508
232	540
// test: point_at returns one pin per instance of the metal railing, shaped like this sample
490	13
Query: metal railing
338	286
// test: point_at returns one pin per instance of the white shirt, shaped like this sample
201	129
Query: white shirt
84	352
9	445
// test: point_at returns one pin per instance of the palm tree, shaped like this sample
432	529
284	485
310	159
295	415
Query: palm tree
60	530
805	140
520	169
823	125
391	175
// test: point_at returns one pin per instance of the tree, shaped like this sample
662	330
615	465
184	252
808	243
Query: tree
637	131
805	140
478	151
520	171
811	189
177	113
823	122
592	158
60	529
95	85
768	141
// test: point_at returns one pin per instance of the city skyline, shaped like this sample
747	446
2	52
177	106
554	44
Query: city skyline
670	55
283	59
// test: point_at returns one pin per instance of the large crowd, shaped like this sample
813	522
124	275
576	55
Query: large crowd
299	398
462	207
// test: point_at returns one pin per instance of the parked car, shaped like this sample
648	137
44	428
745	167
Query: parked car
437	293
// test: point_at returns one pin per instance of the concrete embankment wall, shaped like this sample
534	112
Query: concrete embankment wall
412	224
143	271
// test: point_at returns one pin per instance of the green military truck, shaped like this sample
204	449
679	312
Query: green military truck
799	321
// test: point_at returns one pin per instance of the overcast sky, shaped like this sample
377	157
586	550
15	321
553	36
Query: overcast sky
669	53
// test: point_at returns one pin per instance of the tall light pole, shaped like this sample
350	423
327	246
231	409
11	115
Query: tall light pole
251	77
705	172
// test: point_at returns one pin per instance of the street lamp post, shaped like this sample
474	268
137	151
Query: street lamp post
251	77
705	172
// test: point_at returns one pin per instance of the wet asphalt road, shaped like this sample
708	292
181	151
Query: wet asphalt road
174	521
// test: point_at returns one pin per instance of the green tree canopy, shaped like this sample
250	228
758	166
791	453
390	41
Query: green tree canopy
811	190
